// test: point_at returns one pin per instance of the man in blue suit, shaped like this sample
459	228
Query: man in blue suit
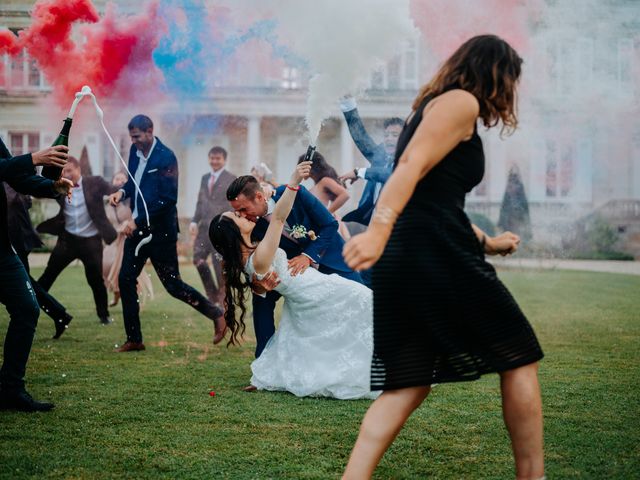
380	156
310	238
155	169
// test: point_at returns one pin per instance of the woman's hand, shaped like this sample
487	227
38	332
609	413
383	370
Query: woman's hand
364	250
301	172
504	244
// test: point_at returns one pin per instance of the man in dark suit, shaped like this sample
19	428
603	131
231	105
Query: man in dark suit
310	238
81	226
212	200
16	292
155	169
24	239
380	156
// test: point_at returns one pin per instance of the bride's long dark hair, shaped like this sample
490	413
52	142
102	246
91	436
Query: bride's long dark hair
226	238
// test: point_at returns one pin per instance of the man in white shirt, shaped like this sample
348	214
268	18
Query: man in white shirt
81	226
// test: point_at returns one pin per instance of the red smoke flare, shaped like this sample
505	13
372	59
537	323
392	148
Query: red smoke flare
109	50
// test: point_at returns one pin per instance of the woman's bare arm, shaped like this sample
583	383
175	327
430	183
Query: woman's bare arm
447	121
268	246
339	192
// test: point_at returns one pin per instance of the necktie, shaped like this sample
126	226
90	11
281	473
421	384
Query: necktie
212	181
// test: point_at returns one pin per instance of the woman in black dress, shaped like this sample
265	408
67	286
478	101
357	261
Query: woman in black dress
440	312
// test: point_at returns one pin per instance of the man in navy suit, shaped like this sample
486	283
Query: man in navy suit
380	156
16	291
310	238
155	169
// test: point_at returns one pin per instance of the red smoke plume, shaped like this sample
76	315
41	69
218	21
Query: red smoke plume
108	51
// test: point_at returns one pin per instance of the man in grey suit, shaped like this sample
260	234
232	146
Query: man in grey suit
212	200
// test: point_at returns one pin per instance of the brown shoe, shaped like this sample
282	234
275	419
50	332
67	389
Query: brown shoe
249	388
131	347
220	330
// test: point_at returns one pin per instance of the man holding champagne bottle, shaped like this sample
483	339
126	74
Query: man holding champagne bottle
16	292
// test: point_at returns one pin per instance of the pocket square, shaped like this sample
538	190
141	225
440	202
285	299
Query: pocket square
154	170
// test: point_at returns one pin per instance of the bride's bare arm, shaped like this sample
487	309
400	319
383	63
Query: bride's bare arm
267	247
449	120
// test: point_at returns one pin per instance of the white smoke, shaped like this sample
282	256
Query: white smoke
343	41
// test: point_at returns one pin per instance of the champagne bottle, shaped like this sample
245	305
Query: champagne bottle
54	173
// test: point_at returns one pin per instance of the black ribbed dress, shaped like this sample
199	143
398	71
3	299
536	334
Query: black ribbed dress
440	312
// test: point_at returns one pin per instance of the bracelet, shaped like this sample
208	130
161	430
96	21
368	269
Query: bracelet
295	189
384	215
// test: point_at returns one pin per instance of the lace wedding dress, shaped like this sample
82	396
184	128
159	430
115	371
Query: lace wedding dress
323	346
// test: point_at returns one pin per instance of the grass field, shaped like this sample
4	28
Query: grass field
150	415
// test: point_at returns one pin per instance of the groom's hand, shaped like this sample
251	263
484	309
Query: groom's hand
299	264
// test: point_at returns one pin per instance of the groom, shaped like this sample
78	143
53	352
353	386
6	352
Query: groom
310	238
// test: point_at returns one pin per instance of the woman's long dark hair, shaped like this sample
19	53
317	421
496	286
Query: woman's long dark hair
487	67
226	238
320	168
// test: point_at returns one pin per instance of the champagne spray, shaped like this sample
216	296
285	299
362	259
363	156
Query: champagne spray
86	92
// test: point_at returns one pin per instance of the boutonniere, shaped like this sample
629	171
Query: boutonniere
300	231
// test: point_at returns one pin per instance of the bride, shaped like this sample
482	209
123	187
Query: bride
323	346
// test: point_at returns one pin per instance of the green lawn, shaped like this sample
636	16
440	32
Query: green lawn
149	415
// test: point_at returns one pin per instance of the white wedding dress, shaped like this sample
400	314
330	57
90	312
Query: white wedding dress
324	344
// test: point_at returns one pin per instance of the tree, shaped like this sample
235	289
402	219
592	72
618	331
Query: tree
514	212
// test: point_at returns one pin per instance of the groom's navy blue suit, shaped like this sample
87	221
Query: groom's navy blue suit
325	250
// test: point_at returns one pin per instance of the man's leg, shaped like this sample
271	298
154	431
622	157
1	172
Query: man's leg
217	267
200	254
17	295
263	320
164	258
62	255
127	280
90	253
47	302
350	275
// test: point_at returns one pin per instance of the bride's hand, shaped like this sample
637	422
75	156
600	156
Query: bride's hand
301	172
364	250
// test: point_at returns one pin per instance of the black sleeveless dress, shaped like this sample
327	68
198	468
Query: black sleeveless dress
440	312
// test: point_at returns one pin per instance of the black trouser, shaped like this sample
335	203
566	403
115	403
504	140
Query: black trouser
89	251
202	249
164	258
18	297
47	302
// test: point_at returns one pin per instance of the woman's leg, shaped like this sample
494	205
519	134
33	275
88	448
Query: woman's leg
379	428
522	412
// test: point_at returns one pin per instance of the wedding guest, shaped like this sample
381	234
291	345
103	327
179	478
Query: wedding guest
212	200
155	169
24	239
328	189
440	312
16	292
119	216
380	157
81	226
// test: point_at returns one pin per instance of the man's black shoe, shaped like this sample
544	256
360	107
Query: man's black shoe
22	402
61	325
106	320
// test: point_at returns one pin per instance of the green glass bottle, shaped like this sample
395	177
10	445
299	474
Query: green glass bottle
54	173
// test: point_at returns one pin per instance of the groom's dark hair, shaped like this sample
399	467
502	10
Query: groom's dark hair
246	185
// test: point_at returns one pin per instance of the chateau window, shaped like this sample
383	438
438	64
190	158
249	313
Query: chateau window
290	78
24	142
